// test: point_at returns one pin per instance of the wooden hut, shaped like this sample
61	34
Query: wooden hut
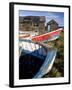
52	25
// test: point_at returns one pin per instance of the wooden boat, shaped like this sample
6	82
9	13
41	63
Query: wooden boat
36	60
24	35
48	36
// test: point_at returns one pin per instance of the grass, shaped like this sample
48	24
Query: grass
58	66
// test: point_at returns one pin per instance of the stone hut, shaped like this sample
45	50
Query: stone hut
32	23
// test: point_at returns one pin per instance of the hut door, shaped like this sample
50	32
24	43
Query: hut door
48	28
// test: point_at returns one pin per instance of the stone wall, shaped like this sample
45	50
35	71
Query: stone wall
31	27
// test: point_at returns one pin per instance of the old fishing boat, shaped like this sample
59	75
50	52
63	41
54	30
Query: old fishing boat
35	60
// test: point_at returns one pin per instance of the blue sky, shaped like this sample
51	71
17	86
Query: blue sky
57	16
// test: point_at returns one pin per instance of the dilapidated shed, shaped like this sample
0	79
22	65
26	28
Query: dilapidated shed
52	25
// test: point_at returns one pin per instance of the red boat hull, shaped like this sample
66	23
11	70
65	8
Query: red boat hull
48	36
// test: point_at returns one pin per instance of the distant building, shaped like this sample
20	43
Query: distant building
32	23
52	25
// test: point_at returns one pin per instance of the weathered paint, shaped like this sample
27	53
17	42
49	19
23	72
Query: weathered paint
38	51
48	36
47	65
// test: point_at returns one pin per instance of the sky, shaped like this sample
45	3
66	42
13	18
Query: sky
57	16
